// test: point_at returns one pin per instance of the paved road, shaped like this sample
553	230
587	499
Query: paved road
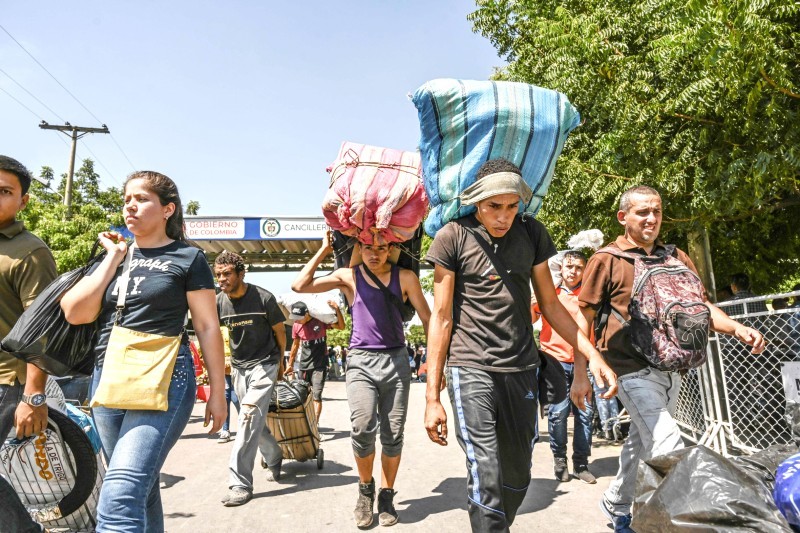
431	484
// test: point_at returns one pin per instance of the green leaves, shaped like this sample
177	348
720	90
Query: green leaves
93	211
699	100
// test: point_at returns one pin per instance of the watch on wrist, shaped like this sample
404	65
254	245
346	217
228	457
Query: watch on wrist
34	400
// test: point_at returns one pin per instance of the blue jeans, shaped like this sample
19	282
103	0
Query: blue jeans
557	425
136	444
650	396
230	396
13	516
606	408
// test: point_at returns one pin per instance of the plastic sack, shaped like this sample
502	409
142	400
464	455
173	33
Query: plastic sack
57	474
375	193
787	489
317	305
43	336
289	394
696	489
465	123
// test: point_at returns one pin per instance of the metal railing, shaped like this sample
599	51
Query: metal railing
735	403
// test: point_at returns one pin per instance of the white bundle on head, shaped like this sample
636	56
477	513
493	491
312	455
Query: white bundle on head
590	238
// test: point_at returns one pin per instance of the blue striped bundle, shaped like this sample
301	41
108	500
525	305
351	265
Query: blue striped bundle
465	123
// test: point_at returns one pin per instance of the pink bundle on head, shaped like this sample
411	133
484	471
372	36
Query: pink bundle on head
376	194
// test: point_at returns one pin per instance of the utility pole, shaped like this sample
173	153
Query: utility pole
74	132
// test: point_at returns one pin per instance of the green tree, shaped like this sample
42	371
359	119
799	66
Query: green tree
341	337
93	210
416	335
699	100
192	207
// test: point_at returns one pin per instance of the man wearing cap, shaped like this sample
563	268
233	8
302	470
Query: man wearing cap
309	337
481	324
257	340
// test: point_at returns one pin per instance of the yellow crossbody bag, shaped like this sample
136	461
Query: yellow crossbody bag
137	368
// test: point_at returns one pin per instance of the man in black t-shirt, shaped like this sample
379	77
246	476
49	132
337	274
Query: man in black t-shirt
257	342
484	265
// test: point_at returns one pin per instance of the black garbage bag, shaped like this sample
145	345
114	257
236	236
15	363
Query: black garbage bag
43	336
289	394
696	489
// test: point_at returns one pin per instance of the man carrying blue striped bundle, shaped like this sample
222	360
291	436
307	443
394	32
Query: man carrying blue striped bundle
481	323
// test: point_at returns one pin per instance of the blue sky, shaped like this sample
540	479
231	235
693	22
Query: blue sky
243	104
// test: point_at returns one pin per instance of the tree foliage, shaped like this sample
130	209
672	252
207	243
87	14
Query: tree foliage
341	337
93	210
697	99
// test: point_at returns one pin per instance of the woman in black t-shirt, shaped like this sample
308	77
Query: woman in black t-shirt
167	278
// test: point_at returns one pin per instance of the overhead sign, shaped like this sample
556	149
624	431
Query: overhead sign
292	228
255	228
215	228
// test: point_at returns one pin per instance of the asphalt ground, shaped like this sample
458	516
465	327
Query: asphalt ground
431	483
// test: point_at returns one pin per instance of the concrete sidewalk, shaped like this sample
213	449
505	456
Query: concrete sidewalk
431	483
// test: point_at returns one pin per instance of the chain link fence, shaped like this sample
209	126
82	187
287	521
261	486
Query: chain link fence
735	402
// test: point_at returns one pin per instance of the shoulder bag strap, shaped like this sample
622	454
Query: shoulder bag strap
500	267
122	285
389	295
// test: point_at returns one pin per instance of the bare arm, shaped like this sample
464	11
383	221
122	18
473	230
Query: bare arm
722	323
280	337
339	317
413	291
83	302
341	279
292	355
203	306
441	327
31	420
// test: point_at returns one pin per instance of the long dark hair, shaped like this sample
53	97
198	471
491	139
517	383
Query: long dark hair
167	192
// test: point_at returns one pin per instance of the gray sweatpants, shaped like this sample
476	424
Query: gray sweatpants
254	389
377	389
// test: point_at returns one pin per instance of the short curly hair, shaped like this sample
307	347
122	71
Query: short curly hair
230	258
493	166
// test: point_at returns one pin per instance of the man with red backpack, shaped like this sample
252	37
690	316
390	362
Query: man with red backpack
653	322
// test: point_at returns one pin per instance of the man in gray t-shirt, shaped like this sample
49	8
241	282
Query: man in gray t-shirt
484	265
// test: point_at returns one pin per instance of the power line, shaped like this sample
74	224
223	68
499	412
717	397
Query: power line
83	142
31	95
50	74
68	92
34	113
133	167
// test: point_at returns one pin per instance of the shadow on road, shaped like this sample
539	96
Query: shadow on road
450	494
300	476
605	466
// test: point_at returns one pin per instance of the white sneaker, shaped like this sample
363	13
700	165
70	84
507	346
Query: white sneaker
224	436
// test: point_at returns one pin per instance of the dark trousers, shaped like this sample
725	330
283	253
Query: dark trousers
13	516
494	414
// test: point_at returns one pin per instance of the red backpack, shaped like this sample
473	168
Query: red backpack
669	320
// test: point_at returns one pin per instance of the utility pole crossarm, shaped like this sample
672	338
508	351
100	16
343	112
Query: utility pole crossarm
69	127
75	133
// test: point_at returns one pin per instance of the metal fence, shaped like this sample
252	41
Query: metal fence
735	403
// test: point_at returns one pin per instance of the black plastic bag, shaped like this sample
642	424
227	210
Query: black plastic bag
696	489
289	394
43	336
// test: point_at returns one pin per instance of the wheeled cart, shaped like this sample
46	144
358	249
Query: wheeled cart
296	430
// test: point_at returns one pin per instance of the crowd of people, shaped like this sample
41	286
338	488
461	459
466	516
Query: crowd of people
487	269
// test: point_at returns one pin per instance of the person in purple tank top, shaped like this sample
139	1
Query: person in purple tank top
378	372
